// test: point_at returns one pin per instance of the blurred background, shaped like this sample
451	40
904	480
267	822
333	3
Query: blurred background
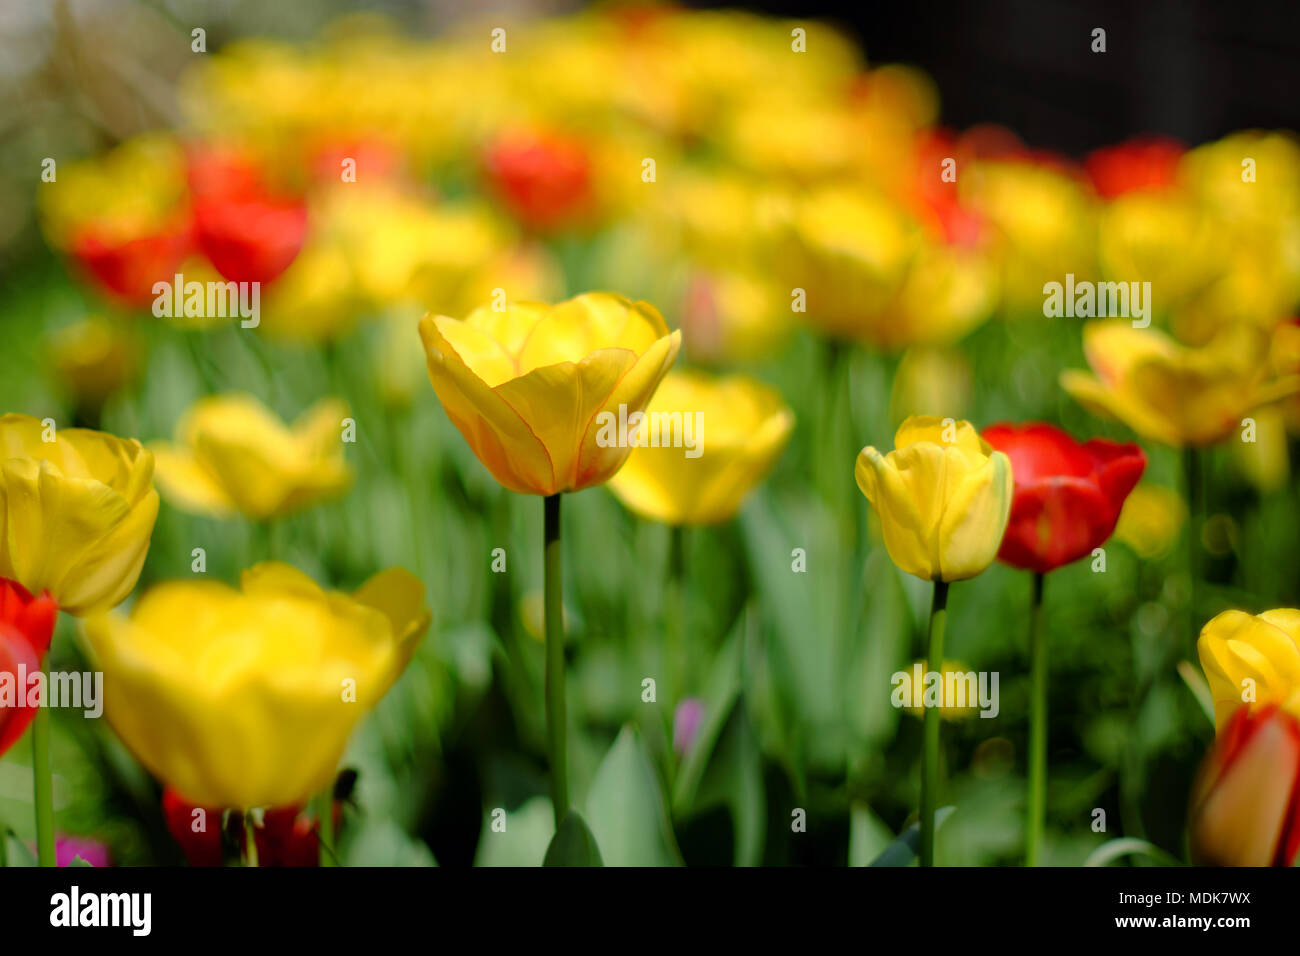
524	172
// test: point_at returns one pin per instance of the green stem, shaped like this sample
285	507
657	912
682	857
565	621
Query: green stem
1037	805
930	759
675	611
43	787
250	840
325	821
1195	517
554	614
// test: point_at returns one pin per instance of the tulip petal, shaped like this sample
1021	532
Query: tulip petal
559	403
974	517
186	485
494	431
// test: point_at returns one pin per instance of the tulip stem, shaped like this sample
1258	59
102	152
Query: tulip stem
250	841
675	610
325	821
554	617
43	785
1037	805
930	759
1195	517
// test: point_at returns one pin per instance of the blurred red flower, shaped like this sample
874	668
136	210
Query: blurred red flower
1142	163
248	232
128	268
544	178
1067	495
26	626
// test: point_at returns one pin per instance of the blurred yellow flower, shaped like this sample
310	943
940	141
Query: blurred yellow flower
1044	224
733	316
94	358
1164	238
744	428
1171	393
930	380
1151	520
134	190
849	251
232	454
943	497
1252	659
526	385
870	275
245	698
78	508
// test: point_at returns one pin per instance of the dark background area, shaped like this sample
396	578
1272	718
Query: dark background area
1192	70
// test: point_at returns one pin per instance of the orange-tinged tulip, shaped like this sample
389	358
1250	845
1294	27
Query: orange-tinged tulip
1246	801
526	385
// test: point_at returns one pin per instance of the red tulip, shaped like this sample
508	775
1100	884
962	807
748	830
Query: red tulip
248	233
544	179
1143	163
286	837
26	626
1067	495
128	268
1246	800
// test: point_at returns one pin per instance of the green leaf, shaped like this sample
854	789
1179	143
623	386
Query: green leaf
719	698
626	808
1113	850
78	861
734	779
384	843
18	852
1196	683
523	842
903	850
573	844
868	835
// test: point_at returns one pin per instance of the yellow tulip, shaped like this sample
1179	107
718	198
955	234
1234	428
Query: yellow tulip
232	454
526	385
77	512
1161	237
1044	224
872	276
943	496
245	698
744	426
1252	659
1170	393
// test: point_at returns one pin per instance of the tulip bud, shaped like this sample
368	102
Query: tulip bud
687	720
943	496
1246	800
68	848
